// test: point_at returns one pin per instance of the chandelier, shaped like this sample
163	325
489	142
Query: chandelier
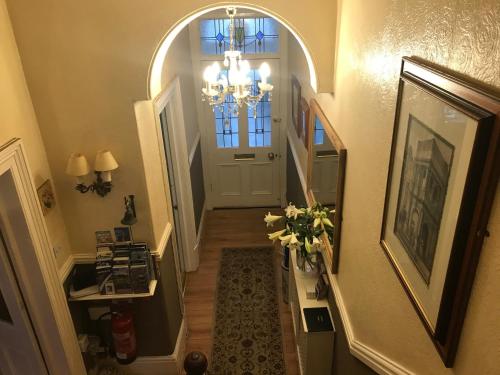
234	80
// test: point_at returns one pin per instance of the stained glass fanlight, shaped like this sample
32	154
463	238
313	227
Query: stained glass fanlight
235	79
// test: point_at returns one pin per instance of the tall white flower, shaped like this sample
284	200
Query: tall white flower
271	219
294	243
316	244
292	211
285	240
327	221
317	222
275	235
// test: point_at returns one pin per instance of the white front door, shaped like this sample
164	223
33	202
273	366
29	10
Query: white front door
244	150
19	350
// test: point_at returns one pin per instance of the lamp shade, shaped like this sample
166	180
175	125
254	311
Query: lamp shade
105	161
77	165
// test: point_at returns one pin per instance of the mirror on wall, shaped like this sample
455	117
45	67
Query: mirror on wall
326	174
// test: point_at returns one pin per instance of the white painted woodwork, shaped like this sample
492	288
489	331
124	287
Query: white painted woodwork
34	265
239	182
19	350
314	349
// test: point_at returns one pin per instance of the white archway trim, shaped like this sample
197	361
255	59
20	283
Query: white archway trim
155	84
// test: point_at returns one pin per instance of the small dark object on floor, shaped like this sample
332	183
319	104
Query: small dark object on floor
195	363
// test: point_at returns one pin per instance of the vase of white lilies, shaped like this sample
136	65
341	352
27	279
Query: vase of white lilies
302	232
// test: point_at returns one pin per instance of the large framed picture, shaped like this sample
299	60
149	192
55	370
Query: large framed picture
443	173
296	96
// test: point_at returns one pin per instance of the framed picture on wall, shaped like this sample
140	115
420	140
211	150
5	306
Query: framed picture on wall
443	172
296	97
46	197
304	122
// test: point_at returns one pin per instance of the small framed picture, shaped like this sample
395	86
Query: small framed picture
122	234
103	237
46	197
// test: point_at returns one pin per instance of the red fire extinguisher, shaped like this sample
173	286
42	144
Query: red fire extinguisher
122	328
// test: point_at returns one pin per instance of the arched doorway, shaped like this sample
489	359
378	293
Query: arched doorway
156	68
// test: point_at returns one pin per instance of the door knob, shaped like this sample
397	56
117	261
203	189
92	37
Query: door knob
271	155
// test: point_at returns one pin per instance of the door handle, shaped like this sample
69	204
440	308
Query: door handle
271	156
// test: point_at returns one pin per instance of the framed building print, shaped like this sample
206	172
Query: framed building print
443	172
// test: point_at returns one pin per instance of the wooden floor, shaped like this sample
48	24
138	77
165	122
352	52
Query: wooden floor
226	228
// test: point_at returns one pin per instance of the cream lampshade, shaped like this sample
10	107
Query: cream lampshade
105	162
77	166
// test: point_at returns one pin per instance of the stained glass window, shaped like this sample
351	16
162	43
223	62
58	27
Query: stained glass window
259	128
252	35
226	126
319	132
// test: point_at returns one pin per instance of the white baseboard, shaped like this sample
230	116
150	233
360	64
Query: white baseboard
369	356
201	227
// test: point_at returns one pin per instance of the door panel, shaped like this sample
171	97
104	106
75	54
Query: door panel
261	178
229	176
242	174
19	350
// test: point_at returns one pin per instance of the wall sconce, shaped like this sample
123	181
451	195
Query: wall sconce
78	167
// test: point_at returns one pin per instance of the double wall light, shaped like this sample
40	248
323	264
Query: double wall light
78	167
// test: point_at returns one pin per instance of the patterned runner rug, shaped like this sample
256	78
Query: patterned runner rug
247	334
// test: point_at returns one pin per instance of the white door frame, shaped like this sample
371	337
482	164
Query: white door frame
36	269
197	60
171	99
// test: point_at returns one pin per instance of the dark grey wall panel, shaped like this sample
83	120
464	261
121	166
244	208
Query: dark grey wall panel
197	186
294	191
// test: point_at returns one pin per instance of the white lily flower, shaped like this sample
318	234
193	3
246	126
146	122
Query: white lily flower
317	222
294	243
292	211
308	245
285	240
332	211
327	221
275	235
271	219
316	244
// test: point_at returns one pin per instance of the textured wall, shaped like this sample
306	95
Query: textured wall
17	119
462	36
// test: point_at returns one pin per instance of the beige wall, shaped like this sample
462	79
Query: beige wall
17	119
463	36
87	63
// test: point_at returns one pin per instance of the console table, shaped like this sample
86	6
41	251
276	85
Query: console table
312	324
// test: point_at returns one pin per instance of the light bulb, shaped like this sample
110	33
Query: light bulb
208	74
265	72
245	66
216	69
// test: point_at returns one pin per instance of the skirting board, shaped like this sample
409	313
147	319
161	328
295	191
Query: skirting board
372	358
161	365
201	228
